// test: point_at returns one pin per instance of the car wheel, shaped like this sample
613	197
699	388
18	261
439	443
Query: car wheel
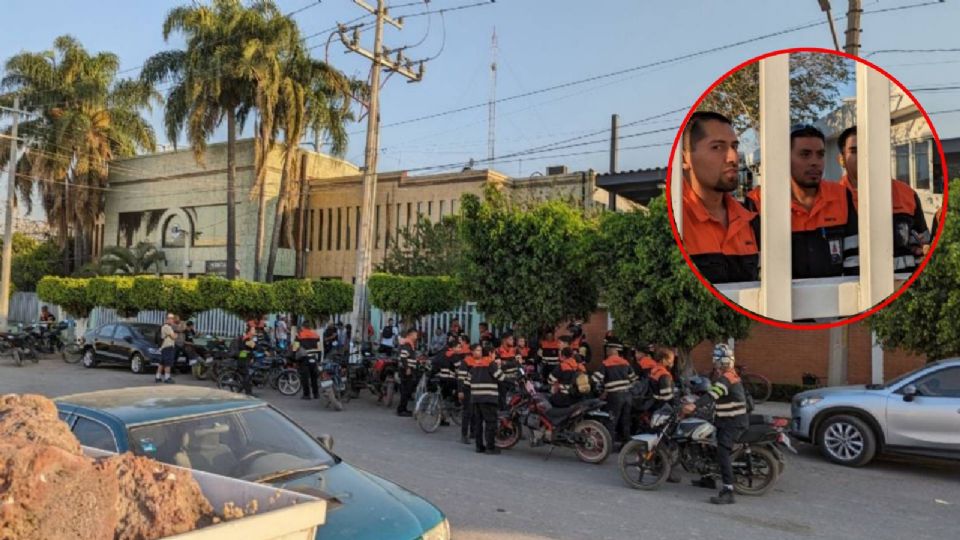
847	440
136	363
88	360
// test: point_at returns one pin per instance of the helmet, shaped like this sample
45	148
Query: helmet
698	385
723	355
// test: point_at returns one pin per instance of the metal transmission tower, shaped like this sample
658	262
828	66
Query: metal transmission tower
379	62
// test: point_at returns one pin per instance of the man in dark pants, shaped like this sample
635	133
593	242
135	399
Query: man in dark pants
484	374
615	377
408	370
305	349
248	344
460	360
730	400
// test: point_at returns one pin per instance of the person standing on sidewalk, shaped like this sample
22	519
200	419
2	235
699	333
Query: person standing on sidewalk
485	373
168	349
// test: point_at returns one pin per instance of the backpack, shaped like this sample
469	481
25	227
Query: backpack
387	332
582	383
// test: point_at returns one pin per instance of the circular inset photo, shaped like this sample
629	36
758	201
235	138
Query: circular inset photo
803	188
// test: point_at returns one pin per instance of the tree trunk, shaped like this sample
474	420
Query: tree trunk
302	223
64	234
280	208
261	200
231	193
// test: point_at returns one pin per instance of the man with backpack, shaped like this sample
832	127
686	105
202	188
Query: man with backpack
569	381
388	337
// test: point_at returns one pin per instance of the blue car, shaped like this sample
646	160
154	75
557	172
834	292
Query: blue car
242	437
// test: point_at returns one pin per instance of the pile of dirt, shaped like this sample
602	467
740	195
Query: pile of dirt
49	489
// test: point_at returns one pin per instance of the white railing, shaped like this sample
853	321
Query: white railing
777	295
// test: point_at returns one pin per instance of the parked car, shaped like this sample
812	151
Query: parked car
917	413
132	344
242	437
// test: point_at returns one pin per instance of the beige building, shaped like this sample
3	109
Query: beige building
333	216
151	197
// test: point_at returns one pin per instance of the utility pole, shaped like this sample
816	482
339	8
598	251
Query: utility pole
379	61
825	7
492	104
614	124
853	28
8	220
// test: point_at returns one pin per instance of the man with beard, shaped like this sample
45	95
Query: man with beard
823	217
910	231
718	232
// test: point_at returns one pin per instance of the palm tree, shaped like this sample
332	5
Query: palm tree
80	118
131	261
212	80
312	96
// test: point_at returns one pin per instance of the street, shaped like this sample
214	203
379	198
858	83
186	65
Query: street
526	494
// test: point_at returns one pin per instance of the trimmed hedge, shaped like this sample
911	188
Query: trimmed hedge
72	294
414	296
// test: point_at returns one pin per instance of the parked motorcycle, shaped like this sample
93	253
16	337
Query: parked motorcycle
580	426
333	385
204	352
646	461
45	337
383	380
19	346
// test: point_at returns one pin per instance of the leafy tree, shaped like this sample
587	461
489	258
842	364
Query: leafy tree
313	298
414	296
250	299
651	293
815	83
81	118
127	261
116	292
32	260
426	249
923	319
531	267
71	294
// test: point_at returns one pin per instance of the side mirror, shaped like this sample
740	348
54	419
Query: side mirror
326	441
909	392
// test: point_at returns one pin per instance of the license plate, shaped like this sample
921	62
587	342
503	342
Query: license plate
326	384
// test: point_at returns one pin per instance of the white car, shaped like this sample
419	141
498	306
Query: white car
917	413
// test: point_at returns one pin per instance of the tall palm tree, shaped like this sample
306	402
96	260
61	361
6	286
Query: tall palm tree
81	117
311	96
131	261
212	81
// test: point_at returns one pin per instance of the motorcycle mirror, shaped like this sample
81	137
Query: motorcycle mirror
326	440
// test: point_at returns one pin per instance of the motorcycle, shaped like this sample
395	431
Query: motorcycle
581	426
646	460
384	380
204	352
19	346
45	337
333	384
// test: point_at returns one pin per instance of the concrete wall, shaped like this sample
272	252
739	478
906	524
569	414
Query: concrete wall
172	188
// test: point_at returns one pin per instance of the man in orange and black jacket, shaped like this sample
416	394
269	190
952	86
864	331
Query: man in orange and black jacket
563	380
459	356
823	217
407	367
306	350
549	353
506	353
614	378
910	232
484	375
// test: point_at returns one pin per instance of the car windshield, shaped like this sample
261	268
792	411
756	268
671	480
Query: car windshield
149	332
248	443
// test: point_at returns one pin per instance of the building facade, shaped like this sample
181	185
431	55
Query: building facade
152	198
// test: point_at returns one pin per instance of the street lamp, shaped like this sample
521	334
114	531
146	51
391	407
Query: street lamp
177	232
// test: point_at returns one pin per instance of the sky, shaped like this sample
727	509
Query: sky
542	44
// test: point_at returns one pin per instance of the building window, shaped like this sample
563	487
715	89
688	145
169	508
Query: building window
376	228
339	226
310	235
409	213
419	210
329	228
921	164
356	241
430	210
453	206
318	240
441	208
901	165
347	244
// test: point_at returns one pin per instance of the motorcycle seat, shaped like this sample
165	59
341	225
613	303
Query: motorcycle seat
556	414
756	433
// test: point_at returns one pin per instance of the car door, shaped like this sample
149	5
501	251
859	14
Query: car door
103	343
931	419
123	345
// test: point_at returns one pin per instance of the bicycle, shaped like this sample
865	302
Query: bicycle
758	386
432	409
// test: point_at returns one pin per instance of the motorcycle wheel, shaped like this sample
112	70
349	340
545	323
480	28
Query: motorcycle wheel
764	471
455	415
388	396
71	353
599	442
34	357
200	370
428	413
227	379
345	395
508	433
288	383
17	359
641	471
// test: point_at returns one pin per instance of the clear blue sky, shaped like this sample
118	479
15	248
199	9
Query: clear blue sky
541	44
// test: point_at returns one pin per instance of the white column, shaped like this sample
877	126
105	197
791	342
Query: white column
676	187
874	189
775	253
876	360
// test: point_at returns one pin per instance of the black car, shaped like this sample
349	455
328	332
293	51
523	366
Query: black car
131	344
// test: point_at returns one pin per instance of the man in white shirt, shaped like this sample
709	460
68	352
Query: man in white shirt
168	349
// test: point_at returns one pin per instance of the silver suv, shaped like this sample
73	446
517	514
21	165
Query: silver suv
916	413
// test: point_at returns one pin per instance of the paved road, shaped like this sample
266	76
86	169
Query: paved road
523	495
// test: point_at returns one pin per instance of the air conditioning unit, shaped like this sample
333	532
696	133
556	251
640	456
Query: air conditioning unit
556	169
